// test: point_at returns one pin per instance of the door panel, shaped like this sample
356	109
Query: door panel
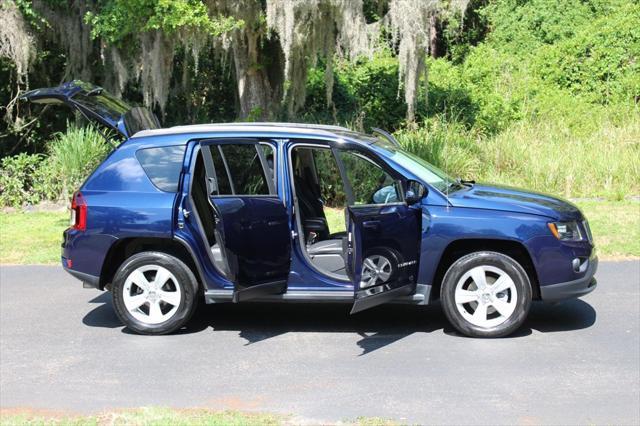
251	222
254	233
382	253
383	243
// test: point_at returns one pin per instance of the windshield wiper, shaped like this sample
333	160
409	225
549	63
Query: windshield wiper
95	91
461	183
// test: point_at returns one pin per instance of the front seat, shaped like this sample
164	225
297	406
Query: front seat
310	208
328	255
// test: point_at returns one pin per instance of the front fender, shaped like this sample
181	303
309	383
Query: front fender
442	225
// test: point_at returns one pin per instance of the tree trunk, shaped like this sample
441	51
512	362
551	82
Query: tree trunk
254	90
433	36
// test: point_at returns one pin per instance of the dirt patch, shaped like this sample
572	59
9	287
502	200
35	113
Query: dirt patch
237	403
616	258
42	207
36	413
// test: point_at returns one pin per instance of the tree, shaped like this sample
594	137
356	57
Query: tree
271	43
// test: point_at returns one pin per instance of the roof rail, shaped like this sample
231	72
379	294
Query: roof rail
280	124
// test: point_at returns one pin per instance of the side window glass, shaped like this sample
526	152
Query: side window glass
222	172
163	165
370	183
331	189
245	169
270	155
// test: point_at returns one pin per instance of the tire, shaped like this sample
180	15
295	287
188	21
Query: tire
165	305
480	310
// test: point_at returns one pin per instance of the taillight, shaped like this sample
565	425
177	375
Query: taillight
78	212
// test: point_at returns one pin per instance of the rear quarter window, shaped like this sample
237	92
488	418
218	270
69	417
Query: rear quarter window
163	165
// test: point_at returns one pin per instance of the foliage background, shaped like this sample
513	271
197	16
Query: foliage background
535	93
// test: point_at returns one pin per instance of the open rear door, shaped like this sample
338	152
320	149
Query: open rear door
252	225
96	104
383	239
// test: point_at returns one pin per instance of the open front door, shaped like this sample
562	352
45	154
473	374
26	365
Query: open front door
383	240
251	222
382	253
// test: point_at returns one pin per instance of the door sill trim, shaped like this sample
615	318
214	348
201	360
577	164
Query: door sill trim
421	296
275	288
388	296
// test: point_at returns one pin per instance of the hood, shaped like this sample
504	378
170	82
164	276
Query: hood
96	104
504	198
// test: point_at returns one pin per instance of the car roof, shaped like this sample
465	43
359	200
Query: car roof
255	127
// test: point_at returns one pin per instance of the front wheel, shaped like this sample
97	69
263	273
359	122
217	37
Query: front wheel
486	294
154	293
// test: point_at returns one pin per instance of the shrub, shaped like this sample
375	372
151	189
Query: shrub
48	185
448	94
521	26
30	179
18	179
74	154
365	92
601	62
444	144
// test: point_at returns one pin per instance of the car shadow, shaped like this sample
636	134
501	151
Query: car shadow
104	315
377	327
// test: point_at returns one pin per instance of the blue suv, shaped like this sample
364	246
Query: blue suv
284	212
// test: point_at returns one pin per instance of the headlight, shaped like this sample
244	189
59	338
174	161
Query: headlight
566	231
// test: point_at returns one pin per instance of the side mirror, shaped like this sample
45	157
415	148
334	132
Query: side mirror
415	192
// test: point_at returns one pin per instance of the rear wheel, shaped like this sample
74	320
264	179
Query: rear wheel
154	293
486	294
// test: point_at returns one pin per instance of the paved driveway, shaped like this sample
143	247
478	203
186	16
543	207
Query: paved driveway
62	347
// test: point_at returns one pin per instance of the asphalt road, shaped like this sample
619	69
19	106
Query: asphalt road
63	348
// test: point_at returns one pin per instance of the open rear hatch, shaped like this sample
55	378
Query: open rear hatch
96	104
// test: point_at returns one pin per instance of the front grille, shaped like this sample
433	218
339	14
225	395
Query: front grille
585	224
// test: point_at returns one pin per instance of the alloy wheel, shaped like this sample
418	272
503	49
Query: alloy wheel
486	296
151	294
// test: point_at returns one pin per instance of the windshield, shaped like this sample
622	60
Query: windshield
426	171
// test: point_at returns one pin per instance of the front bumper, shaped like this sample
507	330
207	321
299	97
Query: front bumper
572	289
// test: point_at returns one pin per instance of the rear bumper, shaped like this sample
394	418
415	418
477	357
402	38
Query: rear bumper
572	289
88	280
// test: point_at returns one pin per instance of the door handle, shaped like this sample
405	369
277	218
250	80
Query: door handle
371	224
389	210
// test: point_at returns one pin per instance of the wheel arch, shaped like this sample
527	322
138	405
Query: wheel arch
124	248
459	248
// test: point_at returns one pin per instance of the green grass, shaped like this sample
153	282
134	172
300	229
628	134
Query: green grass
599	156
547	157
146	416
151	416
335	219
34	238
615	227
31	238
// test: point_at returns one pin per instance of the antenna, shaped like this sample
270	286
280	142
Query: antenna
446	194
